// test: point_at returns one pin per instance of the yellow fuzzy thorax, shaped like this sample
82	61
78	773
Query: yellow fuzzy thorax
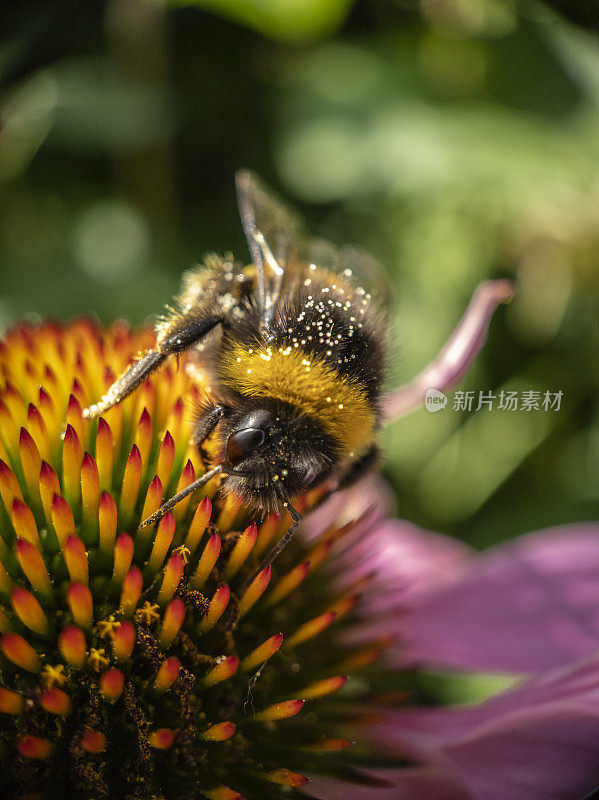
294	376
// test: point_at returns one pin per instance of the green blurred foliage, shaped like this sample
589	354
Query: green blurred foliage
456	140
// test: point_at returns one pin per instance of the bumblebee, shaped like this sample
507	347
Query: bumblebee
295	350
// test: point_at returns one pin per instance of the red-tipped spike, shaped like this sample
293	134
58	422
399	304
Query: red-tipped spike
76	559
131	591
219	602
72	646
130	488
153	498
124	640
200	520
9	428
24	523
80	602
47	410
71	465
9	486
175	418
10	702
173	573
319	554
31	462
288	583
229	511
162	738
266	533
112	682
167	674
221	672
331	745
93	741
77	389
55	701
254	591
262	653
310	629
207	561
123	556
104	453
162	542
28	610
219	732
172	621
107	519
62	519
39	431
146	398
143	436
20	652
284	710
323	687
241	550
49	486
222	793
285	777
188	476
90	492
34	747
32	563
75	417
166	457
344	605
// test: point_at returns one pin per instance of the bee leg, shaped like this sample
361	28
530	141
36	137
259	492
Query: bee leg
278	548
204	426
359	468
185	331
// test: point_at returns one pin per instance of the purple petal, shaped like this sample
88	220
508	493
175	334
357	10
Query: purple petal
458	354
371	495
535	742
406	563
423	783
524	607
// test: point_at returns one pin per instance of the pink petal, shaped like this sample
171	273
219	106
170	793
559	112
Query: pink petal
371	495
528	606
458	354
421	783
406	563
535	742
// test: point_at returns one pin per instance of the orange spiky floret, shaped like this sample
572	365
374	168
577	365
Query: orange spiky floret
148	663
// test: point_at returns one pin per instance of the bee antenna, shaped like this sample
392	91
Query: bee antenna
166	507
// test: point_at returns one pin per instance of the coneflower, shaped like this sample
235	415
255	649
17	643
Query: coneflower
144	664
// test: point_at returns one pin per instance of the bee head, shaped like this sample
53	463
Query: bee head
274	450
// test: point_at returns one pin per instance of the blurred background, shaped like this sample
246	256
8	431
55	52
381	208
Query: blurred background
457	140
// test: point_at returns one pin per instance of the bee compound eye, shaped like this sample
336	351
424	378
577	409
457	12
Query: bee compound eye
242	443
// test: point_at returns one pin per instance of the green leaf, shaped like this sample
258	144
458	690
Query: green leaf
281	19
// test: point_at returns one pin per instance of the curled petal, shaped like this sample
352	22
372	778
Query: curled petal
455	358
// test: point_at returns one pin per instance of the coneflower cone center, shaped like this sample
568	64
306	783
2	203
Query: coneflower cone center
141	664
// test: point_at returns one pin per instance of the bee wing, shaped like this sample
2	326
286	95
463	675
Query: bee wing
273	232
354	263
